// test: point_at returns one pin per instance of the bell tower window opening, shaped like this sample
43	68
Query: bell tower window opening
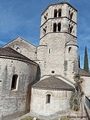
48	98
45	17
54	27
14	82
55	13
71	28
44	30
59	13
59	27
71	15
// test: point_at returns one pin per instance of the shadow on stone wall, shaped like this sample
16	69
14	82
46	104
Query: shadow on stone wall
28	97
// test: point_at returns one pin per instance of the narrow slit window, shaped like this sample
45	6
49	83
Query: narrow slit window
71	28
69	49
45	17
48	98
44	31
49	50
14	82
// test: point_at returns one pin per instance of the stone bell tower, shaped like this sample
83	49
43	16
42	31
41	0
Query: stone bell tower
58	38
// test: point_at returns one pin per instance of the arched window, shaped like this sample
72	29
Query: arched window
54	27
70	28
14	82
59	27
48	98
45	17
71	15
55	13
44	31
59	13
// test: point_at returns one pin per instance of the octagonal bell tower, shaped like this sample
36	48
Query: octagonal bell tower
58	18
58	27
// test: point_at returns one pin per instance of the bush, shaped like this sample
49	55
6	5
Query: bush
64	118
29	118
74	101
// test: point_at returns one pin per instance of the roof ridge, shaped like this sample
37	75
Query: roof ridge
53	82
20	38
8	52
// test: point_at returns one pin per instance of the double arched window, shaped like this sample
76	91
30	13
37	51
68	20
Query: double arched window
56	27
57	13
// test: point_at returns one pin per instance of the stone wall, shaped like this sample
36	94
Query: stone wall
59	101
15	101
23	47
85	85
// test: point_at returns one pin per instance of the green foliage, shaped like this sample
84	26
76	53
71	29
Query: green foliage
29	118
64	118
86	66
74	101
78	80
76	96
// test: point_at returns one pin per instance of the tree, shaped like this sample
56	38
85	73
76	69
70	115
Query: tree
86	67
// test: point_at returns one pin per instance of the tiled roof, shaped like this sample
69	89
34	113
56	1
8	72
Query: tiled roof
53	83
83	72
9	53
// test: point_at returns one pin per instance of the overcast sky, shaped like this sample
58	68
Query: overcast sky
22	18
